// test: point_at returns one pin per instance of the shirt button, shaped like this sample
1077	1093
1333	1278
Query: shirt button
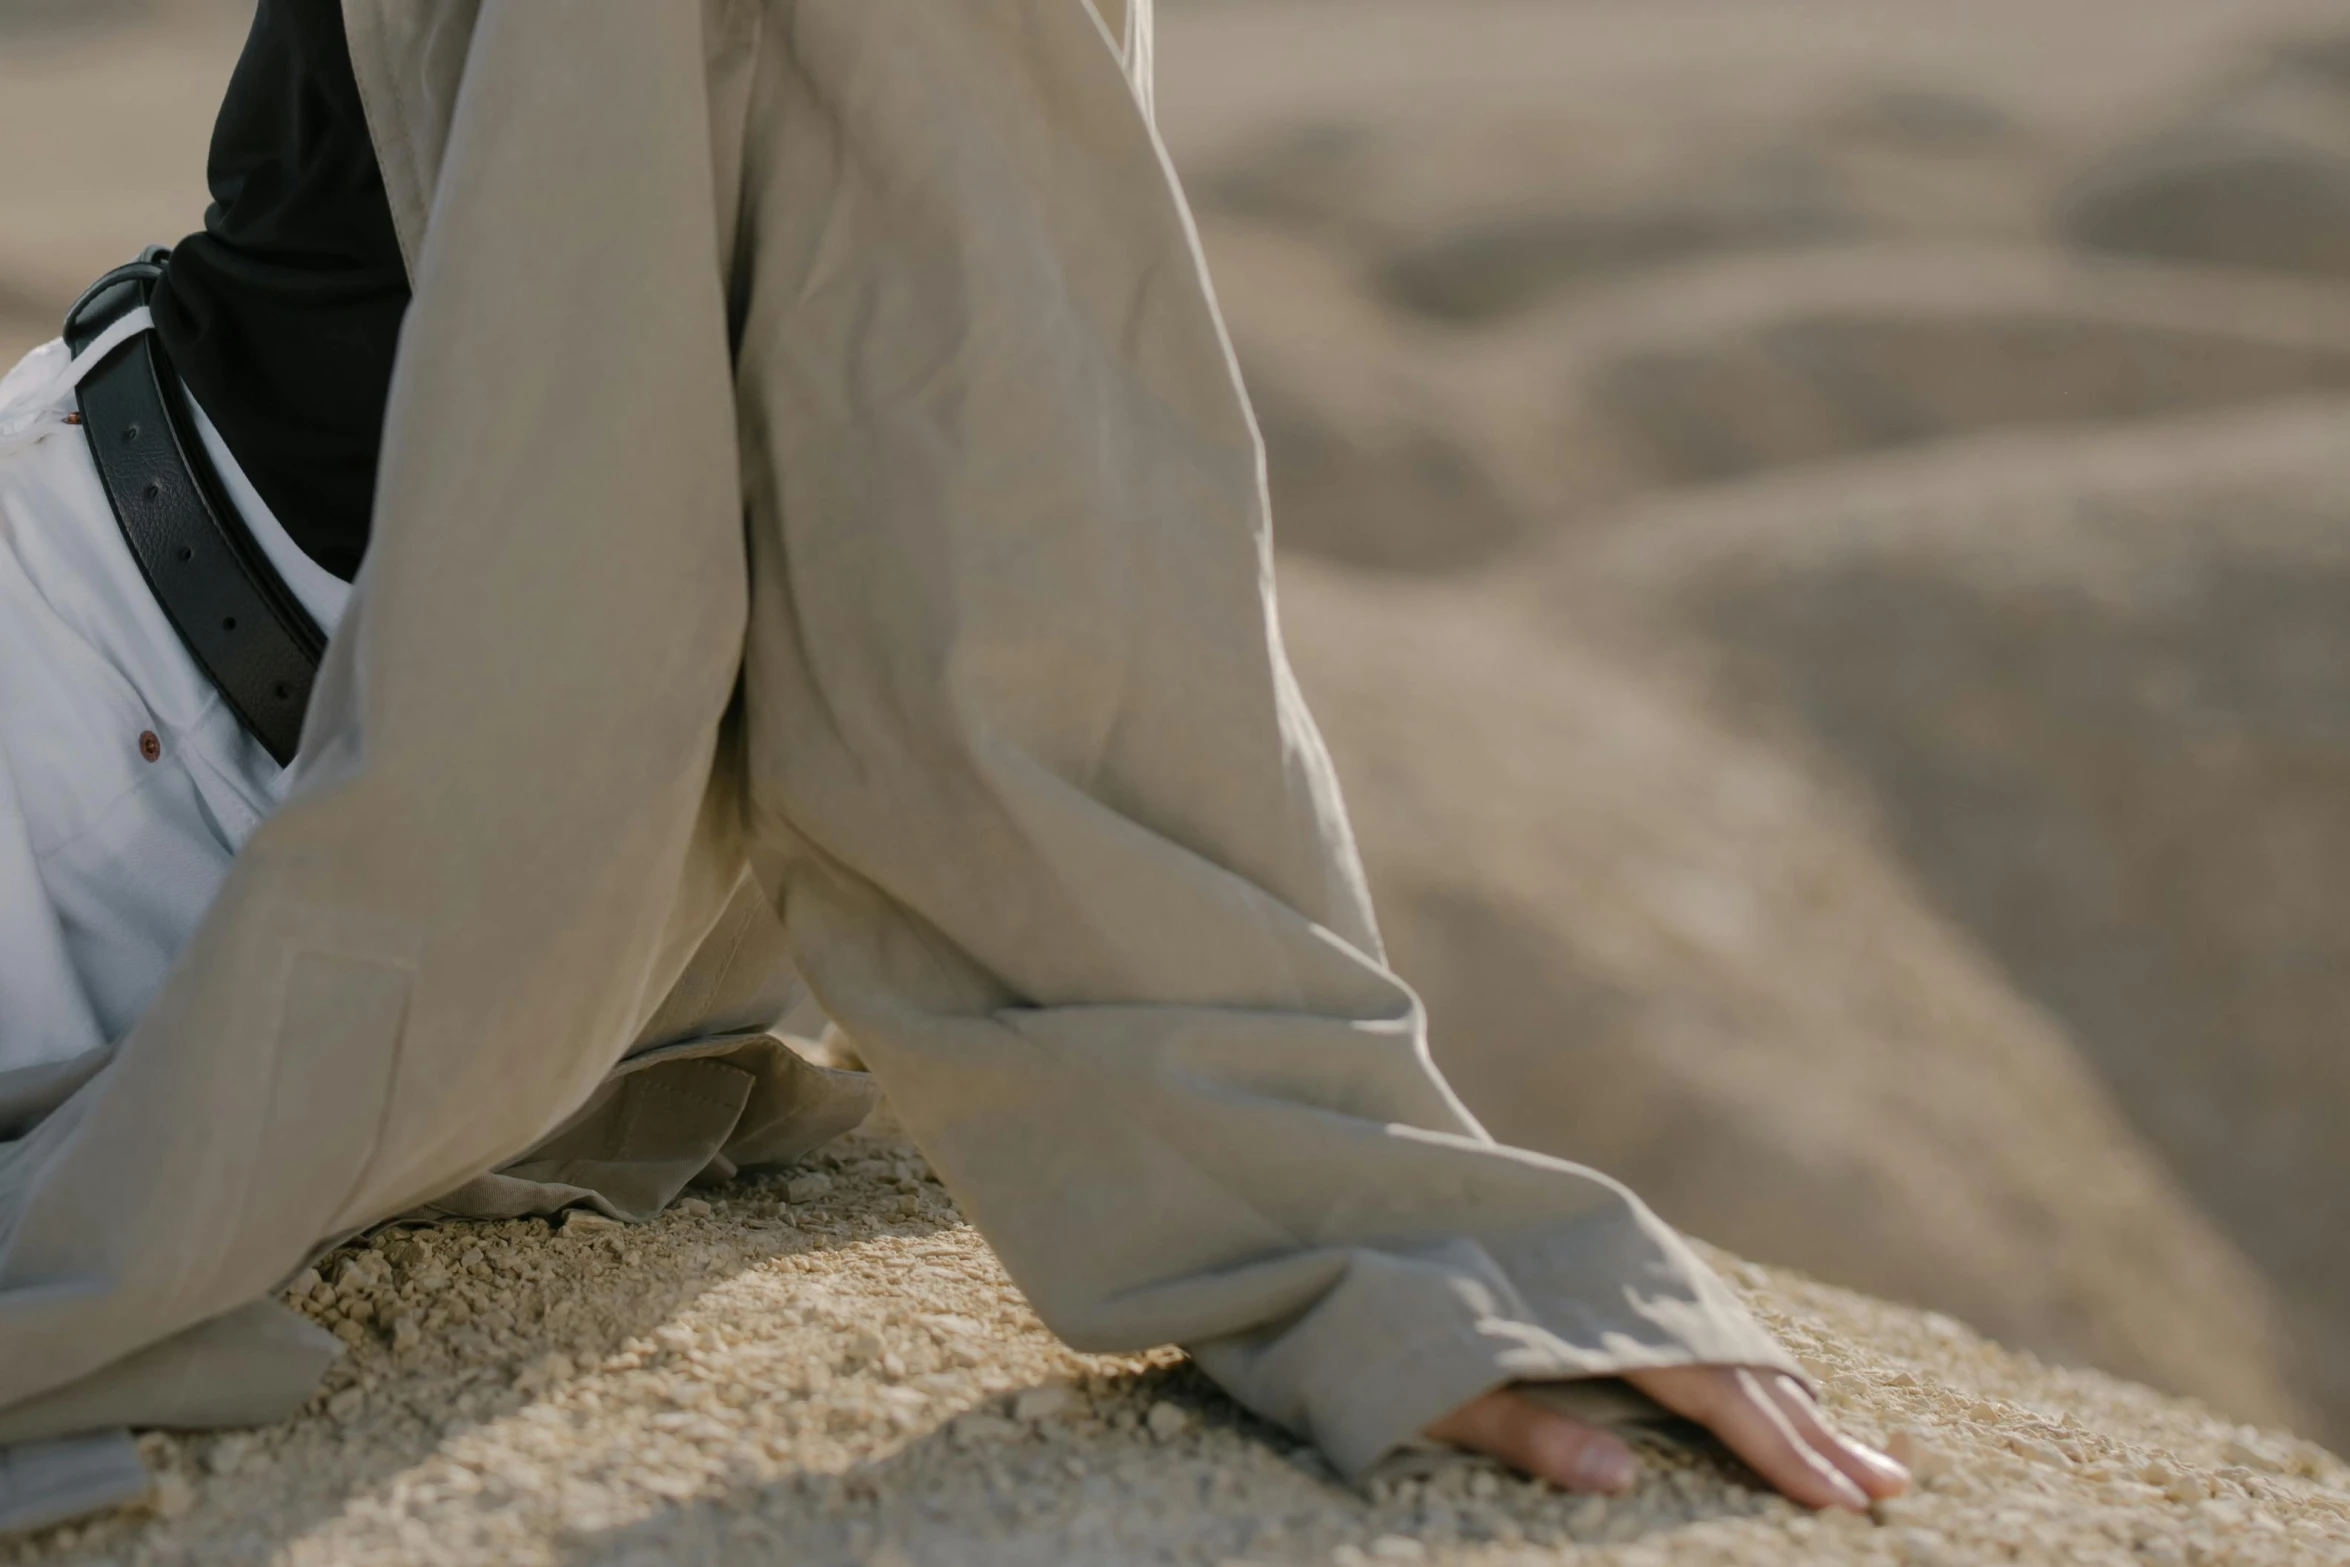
150	747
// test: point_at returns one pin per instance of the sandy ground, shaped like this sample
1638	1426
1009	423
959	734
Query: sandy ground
829	1367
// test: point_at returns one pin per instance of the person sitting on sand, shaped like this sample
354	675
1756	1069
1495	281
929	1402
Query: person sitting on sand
621	501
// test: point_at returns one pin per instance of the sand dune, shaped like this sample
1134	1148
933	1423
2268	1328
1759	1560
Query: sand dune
2254	173
1396	445
2099	692
1652	943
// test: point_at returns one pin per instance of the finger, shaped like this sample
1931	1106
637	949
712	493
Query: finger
1542	1442
1867	1468
1731	1402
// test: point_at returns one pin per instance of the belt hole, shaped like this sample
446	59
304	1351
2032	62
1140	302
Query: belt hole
186	553
229	624
285	693
130	433
154	489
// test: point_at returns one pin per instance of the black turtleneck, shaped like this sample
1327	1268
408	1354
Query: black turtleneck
284	313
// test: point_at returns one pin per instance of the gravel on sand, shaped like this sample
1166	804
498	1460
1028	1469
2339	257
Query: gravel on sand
833	1368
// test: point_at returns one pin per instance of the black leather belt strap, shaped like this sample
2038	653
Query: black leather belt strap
246	630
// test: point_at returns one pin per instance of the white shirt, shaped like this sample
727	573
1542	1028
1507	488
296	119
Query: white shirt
107	859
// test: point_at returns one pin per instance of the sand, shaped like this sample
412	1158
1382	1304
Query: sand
832	1368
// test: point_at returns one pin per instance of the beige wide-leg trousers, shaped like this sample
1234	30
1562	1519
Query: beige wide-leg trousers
815	448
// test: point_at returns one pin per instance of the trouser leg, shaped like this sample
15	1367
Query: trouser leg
739	980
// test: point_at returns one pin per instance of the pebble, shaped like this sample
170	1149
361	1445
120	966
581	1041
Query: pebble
586	1221
1922	1546
545	1372
1925	1462
171	1497
2239	1450
978	1427
1167	1421
2038	1452
1043	1403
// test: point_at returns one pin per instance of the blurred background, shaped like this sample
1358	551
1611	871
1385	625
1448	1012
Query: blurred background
1819	533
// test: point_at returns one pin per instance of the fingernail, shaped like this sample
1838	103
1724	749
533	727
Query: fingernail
1848	1492
1891	1468
1603	1466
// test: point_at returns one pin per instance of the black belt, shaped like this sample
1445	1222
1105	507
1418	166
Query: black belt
245	629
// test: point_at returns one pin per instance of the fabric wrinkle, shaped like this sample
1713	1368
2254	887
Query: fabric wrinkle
1022	764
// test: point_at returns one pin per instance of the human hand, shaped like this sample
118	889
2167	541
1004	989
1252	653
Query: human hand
1765	1417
